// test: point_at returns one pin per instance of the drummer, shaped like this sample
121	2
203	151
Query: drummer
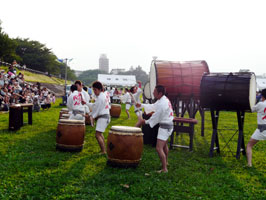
100	111
135	98
127	101
163	115
74	105
260	132
85	95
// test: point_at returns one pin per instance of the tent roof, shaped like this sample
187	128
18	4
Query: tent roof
123	80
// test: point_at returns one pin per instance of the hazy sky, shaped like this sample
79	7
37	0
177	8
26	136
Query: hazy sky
228	34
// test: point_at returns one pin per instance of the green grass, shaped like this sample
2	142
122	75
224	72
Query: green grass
33	77
31	168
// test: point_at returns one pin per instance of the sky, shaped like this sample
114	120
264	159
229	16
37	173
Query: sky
228	34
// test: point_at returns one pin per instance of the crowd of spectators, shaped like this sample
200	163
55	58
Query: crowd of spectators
14	90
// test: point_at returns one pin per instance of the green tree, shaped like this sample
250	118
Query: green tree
89	76
7	47
138	72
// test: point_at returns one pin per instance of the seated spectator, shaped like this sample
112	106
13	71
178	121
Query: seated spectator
36	104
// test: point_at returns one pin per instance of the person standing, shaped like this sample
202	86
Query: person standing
100	112
135	99
260	132
163	115
85	94
127	101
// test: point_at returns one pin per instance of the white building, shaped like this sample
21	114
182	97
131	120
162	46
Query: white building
117	80
261	82
104	63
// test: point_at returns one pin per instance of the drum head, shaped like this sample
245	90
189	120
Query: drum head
127	129
147	91
252	90
64	109
115	105
71	121
153	78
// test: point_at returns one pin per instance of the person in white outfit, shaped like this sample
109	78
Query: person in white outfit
127	100
163	115
260	132
100	112
85	95
74	104
135	99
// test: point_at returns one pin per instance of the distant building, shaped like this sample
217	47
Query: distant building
117	80
77	73
104	63
117	71
261	82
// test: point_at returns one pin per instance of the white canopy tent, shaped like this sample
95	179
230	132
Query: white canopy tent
117	80
261	82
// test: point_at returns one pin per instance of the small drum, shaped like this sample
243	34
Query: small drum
124	146
70	135
65	116
147	91
15	117
115	110
228	91
63	111
180	79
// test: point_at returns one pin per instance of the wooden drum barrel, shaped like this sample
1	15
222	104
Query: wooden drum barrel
70	135
115	110
65	116
124	146
180	79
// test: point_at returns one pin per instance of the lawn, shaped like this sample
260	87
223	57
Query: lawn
31	168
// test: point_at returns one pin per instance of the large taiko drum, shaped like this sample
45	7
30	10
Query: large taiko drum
115	110
124	146
65	116
70	135
228	91
180	79
147	91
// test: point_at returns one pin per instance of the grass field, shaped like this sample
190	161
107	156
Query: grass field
31	168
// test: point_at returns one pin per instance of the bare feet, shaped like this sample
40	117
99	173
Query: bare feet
162	171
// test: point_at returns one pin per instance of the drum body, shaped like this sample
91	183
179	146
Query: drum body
147	91
70	135
115	110
124	146
15	117
180	79
228	91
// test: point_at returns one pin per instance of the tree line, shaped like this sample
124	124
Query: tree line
33	54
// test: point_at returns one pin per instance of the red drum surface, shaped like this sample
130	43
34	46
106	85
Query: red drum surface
180	79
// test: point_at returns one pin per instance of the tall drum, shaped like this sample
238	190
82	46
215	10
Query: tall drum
147	91
70	135
124	146
228	91
180	79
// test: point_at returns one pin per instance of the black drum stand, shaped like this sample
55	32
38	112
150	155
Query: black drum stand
215	140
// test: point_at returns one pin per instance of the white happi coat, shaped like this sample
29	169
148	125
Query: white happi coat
86	99
101	106
260	108
163	112
74	103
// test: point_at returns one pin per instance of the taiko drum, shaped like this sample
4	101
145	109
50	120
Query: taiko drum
115	110
180	79
124	146
70	135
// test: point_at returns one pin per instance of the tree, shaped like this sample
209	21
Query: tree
138	72
7	47
89	76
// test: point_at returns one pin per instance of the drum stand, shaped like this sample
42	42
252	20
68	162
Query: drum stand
215	140
191	106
